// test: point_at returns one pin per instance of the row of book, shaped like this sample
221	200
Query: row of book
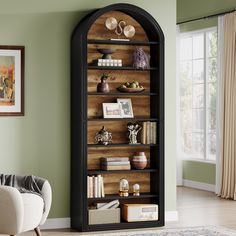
115	163
95	186
149	132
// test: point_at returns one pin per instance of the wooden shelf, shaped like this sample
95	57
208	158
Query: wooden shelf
121	145
96	172
121	42
123	119
92	67
116	196
122	94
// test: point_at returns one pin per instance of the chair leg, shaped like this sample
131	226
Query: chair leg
37	231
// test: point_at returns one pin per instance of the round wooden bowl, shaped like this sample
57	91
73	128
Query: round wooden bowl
130	90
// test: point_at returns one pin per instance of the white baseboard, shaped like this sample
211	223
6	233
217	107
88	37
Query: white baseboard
171	216
199	185
56	223
63	223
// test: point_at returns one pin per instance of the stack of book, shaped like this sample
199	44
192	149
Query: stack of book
95	186
115	163
149	133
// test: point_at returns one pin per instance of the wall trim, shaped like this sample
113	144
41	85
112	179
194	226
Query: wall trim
56	223
171	216
63	223
199	185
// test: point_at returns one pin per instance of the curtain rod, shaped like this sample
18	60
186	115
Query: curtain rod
206	17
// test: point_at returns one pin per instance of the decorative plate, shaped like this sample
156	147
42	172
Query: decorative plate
130	90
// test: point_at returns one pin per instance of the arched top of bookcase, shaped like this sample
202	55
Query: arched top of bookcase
93	25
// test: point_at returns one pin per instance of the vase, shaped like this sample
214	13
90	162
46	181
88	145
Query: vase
139	160
103	86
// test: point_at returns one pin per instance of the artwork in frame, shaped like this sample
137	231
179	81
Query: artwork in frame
111	110
126	107
12	80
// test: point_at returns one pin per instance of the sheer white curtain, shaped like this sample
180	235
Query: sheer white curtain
179	161
219	109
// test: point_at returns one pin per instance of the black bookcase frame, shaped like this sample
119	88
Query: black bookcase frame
79	67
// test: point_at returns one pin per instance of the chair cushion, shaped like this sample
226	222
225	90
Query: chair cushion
33	210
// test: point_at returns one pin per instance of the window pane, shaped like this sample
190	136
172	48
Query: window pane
198	46
186	70
186	143
198	70
211	44
212	69
198	95
198	145
211	146
211	120
186	130
198	120
186	48
212	90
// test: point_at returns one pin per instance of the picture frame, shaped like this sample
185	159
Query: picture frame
111	110
126	107
12	59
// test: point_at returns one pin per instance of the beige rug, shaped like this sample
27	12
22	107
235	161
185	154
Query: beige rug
190	231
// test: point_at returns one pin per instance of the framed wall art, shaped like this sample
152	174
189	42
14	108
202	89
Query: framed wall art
12	80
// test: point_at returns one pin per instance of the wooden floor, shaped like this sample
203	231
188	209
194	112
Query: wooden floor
195	208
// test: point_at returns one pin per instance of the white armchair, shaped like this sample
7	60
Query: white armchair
20	212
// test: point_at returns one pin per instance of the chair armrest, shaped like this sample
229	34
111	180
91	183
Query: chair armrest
11	210
47	197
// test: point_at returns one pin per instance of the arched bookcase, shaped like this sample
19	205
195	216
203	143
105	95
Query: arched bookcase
87	116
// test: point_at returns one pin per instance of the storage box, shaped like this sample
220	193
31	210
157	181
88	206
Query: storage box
107	216
140	212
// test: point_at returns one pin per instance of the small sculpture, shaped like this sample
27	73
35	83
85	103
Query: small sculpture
136	190
140	59
103	137
124	188
103	86
133	129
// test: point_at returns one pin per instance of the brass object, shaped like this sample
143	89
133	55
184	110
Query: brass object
124	188
129	31
136	190
111	23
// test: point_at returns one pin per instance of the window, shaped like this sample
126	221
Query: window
198	90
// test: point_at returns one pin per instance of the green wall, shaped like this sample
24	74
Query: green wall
199	171
191	9
39	142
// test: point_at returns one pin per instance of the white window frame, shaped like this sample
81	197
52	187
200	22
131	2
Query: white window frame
179	149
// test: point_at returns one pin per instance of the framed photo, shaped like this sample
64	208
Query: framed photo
126	107
12	80
111	110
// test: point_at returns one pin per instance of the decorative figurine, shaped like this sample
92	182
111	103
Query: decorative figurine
103	137
133	129
140	59
136	190
124	188
103	86
139	160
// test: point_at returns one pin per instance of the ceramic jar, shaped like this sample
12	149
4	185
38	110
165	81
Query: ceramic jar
139	160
